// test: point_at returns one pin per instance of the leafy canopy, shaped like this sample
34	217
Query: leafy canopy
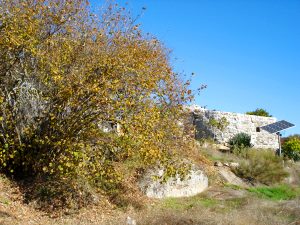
65	73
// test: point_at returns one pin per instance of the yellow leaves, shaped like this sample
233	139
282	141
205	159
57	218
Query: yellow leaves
52	116
57	78
60	168
86	77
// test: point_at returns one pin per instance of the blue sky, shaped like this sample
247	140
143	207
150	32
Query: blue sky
246	51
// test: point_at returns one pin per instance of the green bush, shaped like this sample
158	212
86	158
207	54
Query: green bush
291	149
259	112
240	140
262	166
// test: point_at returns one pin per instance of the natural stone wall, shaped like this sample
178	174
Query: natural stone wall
237	123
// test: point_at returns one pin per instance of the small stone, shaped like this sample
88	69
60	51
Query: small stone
227	144
218	164
231	164
130	221
234	165
223	148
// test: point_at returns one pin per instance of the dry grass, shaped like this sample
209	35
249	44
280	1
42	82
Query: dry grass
218	205
209	151
235	211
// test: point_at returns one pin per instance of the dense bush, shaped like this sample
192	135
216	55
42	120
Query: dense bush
291	148
262	166
259	112
240	140
64	73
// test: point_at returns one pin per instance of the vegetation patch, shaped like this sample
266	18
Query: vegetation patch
282	192
220	205
82	94
233	186
240	140
261	166
259	112
234	203
187	203
291	148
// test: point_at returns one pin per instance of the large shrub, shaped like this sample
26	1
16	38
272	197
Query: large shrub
262	166
64	73
291	148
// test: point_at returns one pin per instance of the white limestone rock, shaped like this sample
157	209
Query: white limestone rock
195	183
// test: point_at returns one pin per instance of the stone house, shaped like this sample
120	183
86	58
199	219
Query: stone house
237	123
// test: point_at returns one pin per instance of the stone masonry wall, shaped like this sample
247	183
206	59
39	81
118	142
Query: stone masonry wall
237	123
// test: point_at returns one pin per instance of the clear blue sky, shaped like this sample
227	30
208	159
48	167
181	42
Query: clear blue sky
246	51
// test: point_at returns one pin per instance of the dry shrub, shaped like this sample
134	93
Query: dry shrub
262	166
57	195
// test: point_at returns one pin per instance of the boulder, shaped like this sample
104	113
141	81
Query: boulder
195	183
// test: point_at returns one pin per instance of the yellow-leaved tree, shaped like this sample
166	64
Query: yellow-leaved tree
65	75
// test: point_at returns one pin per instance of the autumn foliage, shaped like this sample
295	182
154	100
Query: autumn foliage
64	72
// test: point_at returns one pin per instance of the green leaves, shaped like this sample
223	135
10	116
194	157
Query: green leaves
259	112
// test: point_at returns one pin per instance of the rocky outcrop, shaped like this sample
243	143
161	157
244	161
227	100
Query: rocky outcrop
224	170
229	177
195	183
